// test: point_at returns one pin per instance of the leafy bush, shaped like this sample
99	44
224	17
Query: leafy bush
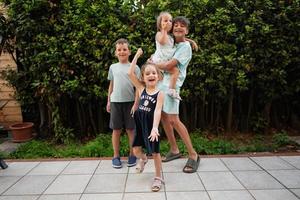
214	146
101	147
248	63
3	155
35	149
68	151
281	139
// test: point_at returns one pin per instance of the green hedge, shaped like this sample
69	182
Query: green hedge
246	76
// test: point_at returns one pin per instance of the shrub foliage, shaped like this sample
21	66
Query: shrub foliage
245	77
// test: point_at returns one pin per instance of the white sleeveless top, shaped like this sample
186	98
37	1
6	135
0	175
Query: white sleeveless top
164	52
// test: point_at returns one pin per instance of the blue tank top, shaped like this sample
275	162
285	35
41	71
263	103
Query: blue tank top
143	117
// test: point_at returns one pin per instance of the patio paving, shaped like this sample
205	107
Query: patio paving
218	178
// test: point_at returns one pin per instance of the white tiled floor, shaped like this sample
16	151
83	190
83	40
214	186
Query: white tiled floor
224	178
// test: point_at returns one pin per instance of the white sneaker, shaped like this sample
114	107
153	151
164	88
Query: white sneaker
174	94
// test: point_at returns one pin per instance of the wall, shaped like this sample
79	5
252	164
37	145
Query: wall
11	112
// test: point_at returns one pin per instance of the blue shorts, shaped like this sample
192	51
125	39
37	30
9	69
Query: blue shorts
171	105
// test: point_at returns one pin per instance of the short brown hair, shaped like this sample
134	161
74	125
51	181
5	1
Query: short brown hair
182	20
122	41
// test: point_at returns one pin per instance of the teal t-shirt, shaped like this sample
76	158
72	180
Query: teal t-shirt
183	54
123	89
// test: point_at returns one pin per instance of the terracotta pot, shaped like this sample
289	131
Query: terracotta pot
22	132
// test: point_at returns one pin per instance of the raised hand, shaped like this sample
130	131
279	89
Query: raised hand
164	26
139	52
154	135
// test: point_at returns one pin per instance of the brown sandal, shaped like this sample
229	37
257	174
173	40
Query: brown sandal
157	183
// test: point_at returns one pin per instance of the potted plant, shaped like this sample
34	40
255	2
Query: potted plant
21	132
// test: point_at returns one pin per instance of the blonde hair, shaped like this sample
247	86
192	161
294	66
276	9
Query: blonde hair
158	19
147	64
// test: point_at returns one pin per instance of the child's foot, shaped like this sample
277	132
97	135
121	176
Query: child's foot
174	94
131	161
116	163
141	164
157	183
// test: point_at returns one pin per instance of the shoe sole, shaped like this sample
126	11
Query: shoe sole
131	165
117	166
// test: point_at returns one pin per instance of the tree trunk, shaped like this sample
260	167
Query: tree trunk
184	115
78	116
229	111
217	121
250	106
100	114
195	115
92	118
266	114
201	113
43	127
211	123
275	119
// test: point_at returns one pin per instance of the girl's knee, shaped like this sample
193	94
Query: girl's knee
155	155
136	151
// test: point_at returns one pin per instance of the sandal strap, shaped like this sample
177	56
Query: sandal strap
193	164
159	179
190	162
157	183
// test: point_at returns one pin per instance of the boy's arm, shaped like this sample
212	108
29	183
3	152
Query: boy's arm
182	55
156	119
193	43
131	72
110	88
169	65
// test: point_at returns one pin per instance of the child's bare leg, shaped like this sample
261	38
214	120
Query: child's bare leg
157	164
116	142
158	181
130	134
131	158
174	76
142	159
138	152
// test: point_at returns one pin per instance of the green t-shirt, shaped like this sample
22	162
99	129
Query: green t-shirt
123	89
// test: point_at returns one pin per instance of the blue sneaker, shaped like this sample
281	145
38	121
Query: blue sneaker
131	161
116	163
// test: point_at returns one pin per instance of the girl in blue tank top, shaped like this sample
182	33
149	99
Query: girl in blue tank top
147	117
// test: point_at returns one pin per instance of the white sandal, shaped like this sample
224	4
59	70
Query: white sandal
141	165
157	183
